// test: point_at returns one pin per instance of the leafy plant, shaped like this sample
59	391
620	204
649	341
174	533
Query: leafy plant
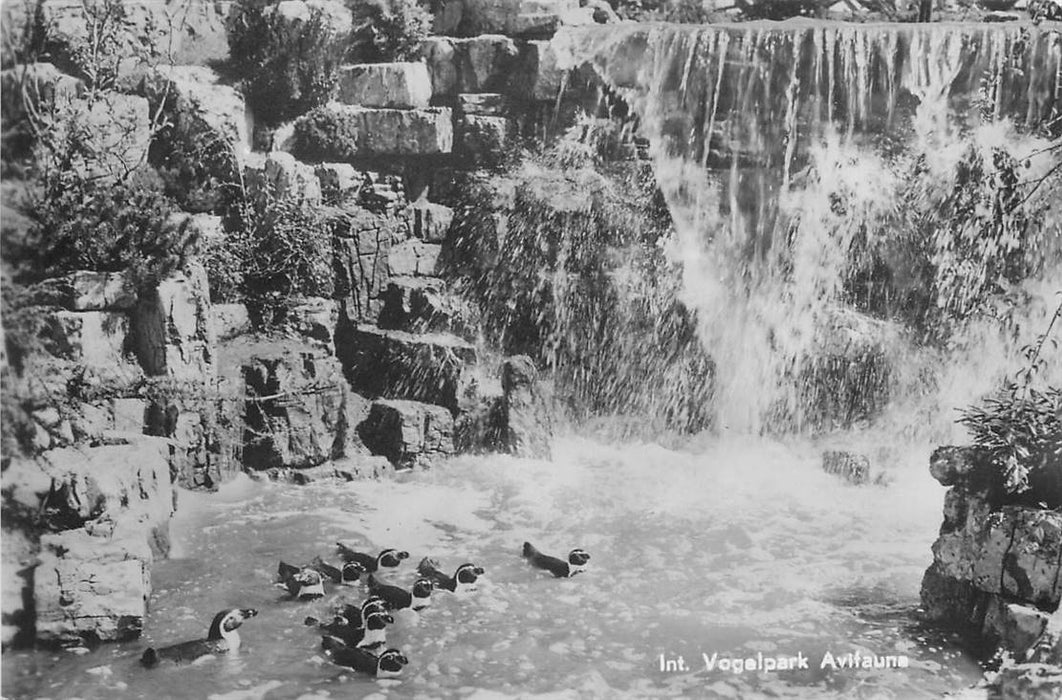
1020	427
387	30
287	66
280	249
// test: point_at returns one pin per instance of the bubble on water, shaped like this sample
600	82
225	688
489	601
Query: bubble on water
102	671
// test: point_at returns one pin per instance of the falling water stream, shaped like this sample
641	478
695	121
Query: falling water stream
734	545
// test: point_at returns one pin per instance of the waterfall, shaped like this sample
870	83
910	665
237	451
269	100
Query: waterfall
815	175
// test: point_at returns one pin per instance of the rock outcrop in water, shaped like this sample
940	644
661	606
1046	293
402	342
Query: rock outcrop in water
997	570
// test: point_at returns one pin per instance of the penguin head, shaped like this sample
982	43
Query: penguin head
351	572
308	583
467	574
578	557
226	622
378	620
390	663
391	557
423	587
373	603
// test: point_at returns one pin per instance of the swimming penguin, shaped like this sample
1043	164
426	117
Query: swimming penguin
348	574
576	563
351	615
387	665
373	633
222	638
463	581
398	598
388	557
301	583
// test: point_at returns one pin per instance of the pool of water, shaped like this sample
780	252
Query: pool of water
732	549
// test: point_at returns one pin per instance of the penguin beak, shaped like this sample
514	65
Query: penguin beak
479	571
248	612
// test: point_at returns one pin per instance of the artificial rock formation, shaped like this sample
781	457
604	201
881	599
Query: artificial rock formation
996	566
408	433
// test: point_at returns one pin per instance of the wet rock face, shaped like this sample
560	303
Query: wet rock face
296	408
408	433
996	568
525	416
90	588
432	368
90	580
172	328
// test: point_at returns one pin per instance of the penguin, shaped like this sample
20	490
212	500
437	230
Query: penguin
372	634
348	574
301	583
463	581
222	638
576	563
350	615
388	557
387	665
398	598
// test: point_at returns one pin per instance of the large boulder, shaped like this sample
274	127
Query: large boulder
89	338
414	258
478	64
34	88
190	32
130	481
280	175
431	222
92	588
400	85
363	241
173	333
524	18
116	132
345	133
432	368
424	305
296	409
205	140
408	433
204	423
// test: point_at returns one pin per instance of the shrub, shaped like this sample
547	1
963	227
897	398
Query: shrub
280	249
80	224
1020	426
387	30
286	67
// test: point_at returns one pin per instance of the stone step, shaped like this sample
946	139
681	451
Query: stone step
434	368
344	133
424	305
399	85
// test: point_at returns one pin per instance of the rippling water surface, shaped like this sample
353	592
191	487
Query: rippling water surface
733	548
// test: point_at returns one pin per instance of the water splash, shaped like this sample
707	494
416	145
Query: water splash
795	158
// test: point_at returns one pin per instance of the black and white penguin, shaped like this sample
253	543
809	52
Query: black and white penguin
372	634
418	598
576	563
387	558
387	665
301	583
463	581
348	574
222	638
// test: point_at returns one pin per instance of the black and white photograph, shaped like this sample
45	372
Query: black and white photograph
531	349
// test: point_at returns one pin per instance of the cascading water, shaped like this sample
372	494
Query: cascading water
802	164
